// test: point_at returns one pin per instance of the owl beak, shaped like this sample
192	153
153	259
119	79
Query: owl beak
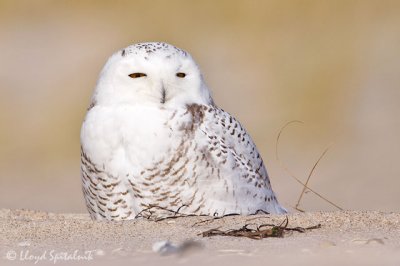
163	95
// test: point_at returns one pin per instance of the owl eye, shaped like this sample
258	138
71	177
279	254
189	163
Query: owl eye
137	75
180	75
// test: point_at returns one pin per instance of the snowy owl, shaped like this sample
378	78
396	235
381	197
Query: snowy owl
153	142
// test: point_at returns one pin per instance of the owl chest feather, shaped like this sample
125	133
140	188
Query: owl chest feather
129	139
169	158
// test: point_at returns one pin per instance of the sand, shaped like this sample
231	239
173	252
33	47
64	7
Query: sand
345	238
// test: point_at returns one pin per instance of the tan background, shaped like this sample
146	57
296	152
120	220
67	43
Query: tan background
333	64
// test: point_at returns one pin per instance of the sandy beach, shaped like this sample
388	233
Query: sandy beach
345	238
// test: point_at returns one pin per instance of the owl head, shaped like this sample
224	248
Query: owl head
151	73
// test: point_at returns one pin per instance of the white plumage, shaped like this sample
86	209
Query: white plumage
153	142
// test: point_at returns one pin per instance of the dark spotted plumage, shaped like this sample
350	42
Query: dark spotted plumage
215	160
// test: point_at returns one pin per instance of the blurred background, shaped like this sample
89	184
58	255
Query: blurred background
335	65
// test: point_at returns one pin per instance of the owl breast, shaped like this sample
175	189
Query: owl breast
196	159
129	139
139	155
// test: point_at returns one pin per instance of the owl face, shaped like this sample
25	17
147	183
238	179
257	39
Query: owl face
151	74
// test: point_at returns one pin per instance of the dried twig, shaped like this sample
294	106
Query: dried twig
279	136
308	179
229	214
175	215
270	230
215	218
305	185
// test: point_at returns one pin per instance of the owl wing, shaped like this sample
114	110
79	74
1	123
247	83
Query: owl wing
233	153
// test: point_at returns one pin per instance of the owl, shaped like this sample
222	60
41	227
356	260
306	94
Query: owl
154	143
